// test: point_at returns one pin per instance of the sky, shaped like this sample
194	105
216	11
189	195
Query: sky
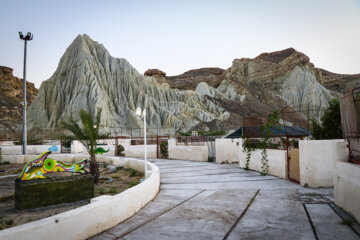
177	36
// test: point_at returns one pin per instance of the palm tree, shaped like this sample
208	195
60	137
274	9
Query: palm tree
87	134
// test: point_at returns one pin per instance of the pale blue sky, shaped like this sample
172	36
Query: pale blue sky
176	36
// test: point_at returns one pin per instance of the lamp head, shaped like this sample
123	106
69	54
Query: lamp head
28	36
138	111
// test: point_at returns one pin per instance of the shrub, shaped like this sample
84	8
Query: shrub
211	133
188	133
330	127
112	189
65	139
120	149
211	159
164	149
132	172
30	141
133	183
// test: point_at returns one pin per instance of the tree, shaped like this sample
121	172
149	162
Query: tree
330	127
87	134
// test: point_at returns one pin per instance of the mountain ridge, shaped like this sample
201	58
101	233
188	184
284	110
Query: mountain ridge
89	77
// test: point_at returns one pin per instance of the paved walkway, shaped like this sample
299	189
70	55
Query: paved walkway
212	201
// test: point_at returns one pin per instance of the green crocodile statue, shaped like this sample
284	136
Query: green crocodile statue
101	150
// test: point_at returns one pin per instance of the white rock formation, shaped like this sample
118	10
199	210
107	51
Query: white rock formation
89	78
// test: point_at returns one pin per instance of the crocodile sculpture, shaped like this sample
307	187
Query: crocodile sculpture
42	165
101	150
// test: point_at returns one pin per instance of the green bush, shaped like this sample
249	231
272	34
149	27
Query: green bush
164	149
132	172
330	127
112	189
188	133
30	141
211	159
211	133
120	149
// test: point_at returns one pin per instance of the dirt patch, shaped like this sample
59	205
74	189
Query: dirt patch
113	181
10	169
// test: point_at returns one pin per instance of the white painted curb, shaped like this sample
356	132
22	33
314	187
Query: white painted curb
101	214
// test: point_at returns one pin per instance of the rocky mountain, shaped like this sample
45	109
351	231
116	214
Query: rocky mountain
89	77
11	98
190	79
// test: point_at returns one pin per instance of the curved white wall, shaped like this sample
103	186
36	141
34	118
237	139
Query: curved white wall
101	214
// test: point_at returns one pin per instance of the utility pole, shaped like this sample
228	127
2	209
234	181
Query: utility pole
308	123
26	38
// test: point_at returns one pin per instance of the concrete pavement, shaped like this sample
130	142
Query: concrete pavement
200	200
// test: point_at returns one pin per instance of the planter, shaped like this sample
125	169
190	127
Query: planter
43	192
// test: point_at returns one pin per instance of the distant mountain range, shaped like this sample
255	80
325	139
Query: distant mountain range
88	77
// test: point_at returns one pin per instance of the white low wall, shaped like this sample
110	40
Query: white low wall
30	149
227	150
77	147
347	187
231	150
139	150
102	213
192	153
277	161
317	159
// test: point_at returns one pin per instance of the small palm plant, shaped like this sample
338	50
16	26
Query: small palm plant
87	133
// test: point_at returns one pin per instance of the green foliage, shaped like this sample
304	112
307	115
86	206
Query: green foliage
211	133
112	190
188	133
250	145
133	183
120	149
9	222
65	139
101	190
164	149
30	141
132	172
272	121
88	133
330	127
211	159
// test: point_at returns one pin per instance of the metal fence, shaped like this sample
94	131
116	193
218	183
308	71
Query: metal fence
290	116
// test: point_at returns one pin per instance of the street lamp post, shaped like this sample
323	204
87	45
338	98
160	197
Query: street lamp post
143	113
26	38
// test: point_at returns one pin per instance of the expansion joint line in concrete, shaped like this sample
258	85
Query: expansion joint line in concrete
159	215
311	223
242	214
341	213
256	180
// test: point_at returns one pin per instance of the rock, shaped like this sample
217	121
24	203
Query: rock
112	168
154	72
190	79
10	102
